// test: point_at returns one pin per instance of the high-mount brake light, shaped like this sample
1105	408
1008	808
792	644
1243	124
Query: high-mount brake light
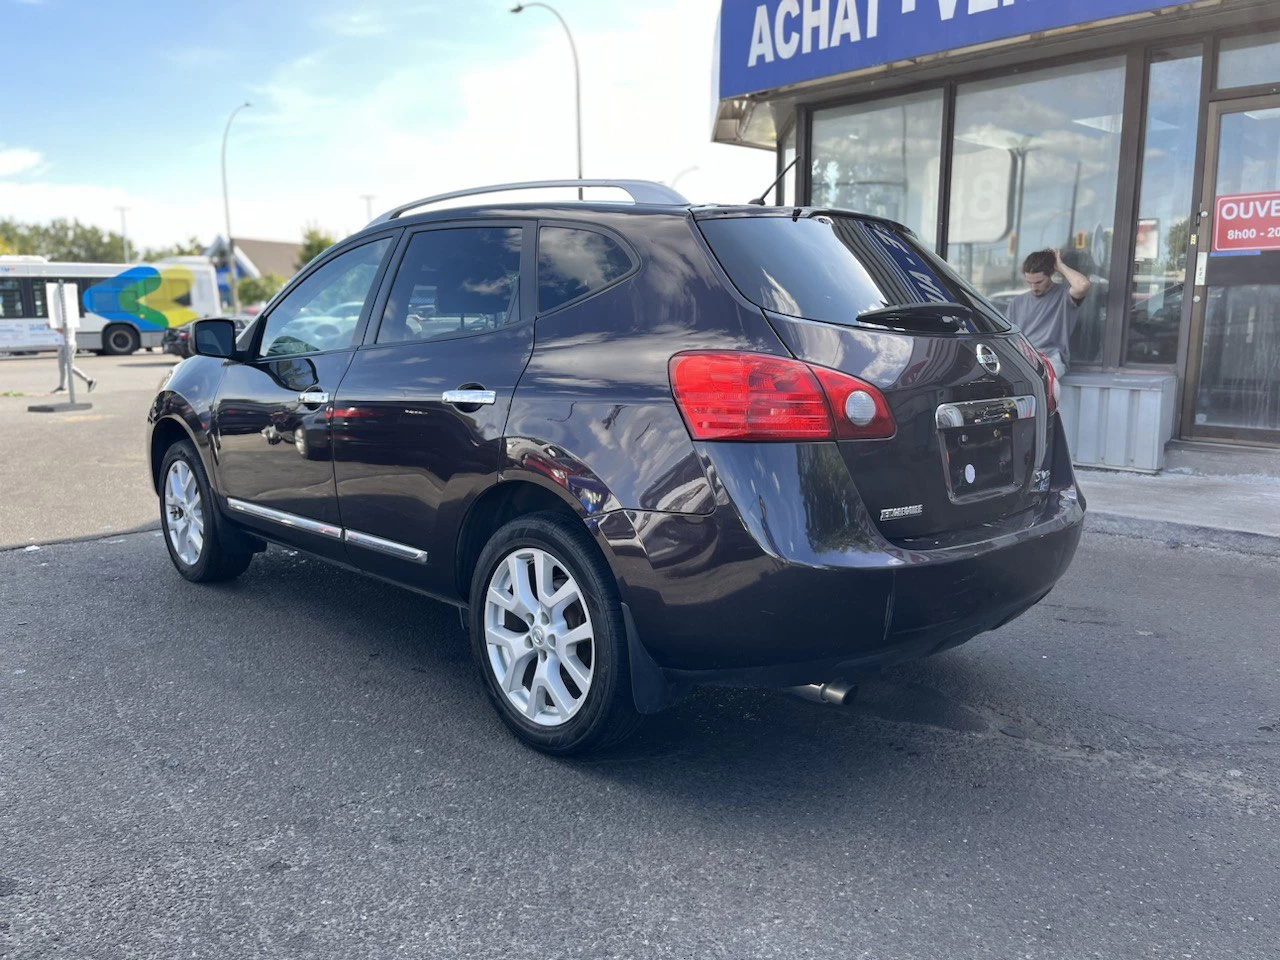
734	395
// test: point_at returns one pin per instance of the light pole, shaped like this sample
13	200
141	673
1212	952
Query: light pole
676	178
577	76
124	232
226	209
368	206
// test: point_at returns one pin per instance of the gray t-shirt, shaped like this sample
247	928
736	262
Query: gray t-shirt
1046	321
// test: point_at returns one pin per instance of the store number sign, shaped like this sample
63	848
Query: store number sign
1247	221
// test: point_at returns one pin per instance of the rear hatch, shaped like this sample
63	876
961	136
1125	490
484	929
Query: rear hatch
863	296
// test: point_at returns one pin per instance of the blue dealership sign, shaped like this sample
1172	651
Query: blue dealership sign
773	43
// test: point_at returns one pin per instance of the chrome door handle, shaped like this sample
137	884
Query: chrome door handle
466	397
316	397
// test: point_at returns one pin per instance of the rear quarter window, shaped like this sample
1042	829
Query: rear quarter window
833	268
574	262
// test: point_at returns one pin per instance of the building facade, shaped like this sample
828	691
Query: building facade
1139	137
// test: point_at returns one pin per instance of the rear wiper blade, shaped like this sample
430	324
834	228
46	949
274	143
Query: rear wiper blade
924	317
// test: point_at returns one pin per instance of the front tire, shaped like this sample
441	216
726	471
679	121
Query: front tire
120	339
549	639
201	547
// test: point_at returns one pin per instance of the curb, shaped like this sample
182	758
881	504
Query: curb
1177	534
84	538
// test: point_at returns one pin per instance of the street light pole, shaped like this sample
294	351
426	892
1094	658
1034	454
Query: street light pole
124	232
226	209
676	178
368	206
577	76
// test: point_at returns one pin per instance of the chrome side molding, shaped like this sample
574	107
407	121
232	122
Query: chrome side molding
401	551
285	519
977	413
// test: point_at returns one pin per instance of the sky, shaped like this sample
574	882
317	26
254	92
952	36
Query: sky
123	103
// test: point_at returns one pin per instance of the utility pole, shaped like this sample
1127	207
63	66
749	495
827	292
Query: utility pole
226	209
124	232
368	206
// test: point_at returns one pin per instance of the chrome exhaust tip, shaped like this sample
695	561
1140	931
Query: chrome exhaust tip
836	692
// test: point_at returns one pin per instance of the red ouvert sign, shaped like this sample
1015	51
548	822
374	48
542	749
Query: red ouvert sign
1247	221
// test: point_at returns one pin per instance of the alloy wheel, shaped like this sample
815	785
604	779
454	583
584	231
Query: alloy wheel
184	512
539	636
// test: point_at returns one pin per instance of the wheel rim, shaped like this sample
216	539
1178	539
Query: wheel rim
184	512
539	636
120	340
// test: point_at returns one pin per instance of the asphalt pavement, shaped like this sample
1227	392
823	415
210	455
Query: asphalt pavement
79	473
302	764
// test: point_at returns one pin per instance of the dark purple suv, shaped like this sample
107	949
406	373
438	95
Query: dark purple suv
642	445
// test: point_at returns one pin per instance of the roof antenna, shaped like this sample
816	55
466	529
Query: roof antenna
759	201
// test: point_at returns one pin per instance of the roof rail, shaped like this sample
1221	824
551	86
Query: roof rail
641	191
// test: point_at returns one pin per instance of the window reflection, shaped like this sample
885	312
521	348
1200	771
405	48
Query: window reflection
1035	165
881	158
573	263
1239	383
1163	228
453	283
322	312
1248	60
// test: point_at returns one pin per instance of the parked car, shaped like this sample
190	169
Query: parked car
177	340
643	447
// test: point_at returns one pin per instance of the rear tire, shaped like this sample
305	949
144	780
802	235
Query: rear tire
120	339
552	655
200	544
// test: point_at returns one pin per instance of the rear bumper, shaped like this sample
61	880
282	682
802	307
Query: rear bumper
778	592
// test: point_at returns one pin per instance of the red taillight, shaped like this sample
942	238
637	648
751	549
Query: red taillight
751	396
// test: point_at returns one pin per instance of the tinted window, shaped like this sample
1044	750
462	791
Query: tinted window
573	263
10	298
833	268
37	297
322	312
453	283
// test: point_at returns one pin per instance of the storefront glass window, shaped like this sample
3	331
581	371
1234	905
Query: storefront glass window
1245	61
1164	206
1035	165
882	158
787	188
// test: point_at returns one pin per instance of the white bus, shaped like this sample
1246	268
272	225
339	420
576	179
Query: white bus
124	306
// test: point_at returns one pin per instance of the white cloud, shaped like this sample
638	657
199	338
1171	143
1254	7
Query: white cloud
317	138
17	160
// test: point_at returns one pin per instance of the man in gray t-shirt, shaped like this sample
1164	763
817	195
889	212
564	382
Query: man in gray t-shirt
1046	313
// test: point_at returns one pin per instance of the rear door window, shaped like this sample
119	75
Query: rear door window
574	263
835	268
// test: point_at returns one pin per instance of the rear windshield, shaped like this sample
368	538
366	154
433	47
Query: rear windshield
833	268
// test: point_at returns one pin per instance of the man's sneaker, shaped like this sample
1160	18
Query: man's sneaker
58	390
92	383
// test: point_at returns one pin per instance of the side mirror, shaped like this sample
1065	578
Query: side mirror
214	338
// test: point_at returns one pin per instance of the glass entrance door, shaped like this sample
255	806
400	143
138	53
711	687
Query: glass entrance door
1233	378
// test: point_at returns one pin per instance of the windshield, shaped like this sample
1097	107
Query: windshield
834	268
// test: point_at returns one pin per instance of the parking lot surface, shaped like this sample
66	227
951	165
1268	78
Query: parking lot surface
83	472
302	764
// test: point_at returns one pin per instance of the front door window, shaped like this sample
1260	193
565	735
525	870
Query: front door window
1236	317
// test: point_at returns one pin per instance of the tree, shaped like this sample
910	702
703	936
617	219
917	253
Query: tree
314	242
259	289
1179	235
64	240
191	247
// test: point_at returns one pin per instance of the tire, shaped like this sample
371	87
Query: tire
120	339
604	712
185	494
